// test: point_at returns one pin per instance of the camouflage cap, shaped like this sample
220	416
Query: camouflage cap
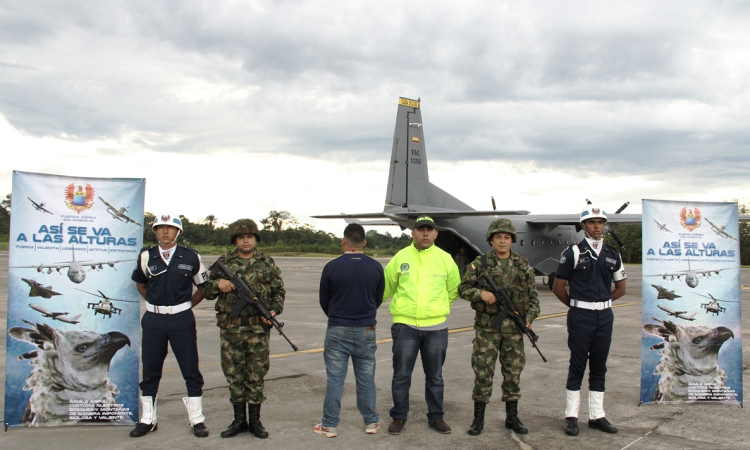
244	226
501	226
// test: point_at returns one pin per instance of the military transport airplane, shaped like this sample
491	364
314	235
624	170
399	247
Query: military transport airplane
691	275
720	230
662	227
39	290
61	316
540	238
76	269
105	306
119	214
39	206
680	314
664	293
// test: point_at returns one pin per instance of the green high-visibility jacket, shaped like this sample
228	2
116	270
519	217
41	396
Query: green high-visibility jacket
423	284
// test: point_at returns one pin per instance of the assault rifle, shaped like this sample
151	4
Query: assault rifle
246	296
506	308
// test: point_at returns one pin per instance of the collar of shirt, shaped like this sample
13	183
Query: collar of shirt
596	245
167	254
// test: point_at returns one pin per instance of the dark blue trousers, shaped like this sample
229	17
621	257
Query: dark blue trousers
589	338
432	345
179	331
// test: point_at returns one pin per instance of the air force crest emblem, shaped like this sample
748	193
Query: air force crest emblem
79	198
690	218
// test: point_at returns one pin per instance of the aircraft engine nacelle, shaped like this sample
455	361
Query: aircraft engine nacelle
49	271
111	265
100	267
39	269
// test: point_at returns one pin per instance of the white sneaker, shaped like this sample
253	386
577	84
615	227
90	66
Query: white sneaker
372	428
328	432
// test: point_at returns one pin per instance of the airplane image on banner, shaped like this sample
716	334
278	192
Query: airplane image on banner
39	206
680	314
119	214
76	269
691	275
663	226
720	230
410	194
61	316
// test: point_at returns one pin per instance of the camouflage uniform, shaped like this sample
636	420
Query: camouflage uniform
244	340
508	342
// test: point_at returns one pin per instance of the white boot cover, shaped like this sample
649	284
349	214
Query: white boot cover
148	410
572	403
596	405
194	407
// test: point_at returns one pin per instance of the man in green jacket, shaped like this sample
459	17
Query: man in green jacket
423	281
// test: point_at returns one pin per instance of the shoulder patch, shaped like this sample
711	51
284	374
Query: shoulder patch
472	267
563	259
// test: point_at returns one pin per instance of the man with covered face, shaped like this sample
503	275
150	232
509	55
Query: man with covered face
244	339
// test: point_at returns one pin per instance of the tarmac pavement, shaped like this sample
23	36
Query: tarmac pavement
295	387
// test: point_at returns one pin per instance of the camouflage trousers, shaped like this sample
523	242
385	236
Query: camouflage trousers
244	360
488	346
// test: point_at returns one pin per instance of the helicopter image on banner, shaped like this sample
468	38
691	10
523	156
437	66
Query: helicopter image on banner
105	306
713	306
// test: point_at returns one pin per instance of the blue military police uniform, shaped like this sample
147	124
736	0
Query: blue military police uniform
169	317
590	317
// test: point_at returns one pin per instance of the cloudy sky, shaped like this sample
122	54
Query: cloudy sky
235	108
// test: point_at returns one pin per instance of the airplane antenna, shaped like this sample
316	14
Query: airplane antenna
494	208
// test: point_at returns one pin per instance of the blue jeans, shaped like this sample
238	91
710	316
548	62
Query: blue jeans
407	342
340	344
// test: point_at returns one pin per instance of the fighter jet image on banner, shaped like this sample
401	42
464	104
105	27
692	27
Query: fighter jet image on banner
664	293
680	314
39	290
713	306
119	214
691	275
105	307
61	316
76	269
662	227
720	230
39	206
410	194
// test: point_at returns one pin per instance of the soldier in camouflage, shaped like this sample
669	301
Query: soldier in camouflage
244	340
508	270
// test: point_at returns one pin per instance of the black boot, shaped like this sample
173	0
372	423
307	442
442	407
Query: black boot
142	428
255	426
200	430
571	426
511	419
239	425
478	424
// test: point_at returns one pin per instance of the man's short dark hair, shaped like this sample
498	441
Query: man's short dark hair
354	233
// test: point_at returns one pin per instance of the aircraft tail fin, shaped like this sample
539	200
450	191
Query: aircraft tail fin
408	180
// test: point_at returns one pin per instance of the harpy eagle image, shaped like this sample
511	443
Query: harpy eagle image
69	366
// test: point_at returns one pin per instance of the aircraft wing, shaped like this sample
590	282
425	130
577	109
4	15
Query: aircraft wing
43	266
97	263
705	271
678	273
434	213
128	219
106	203
574	219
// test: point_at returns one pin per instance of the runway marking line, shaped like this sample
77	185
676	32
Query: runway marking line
385	341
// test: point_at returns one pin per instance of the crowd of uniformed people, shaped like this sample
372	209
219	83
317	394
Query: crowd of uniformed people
422	282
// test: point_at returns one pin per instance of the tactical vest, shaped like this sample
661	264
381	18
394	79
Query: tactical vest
517	280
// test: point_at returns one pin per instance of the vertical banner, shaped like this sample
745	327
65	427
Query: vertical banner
73	313
691	347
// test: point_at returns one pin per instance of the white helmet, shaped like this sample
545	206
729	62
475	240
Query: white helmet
167	219
592	212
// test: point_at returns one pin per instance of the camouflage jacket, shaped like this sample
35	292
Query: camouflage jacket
518	277
261	274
